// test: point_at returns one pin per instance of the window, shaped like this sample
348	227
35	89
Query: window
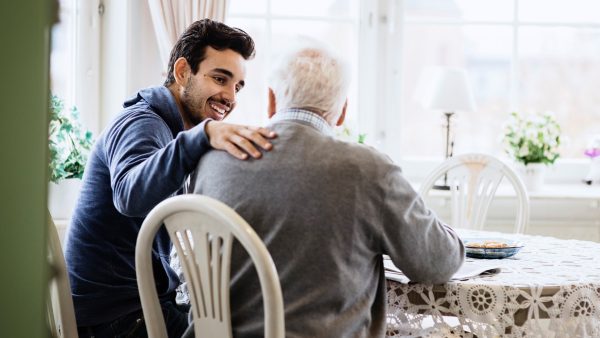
272	24
75	57
74	62
521	55
518	57
62	54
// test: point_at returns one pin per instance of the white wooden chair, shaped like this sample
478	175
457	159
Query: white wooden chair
202	230
473	180
61	314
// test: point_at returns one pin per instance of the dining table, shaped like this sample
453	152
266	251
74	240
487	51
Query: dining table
550	288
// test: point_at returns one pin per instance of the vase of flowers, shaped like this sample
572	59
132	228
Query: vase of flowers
533	142
69	145
593	152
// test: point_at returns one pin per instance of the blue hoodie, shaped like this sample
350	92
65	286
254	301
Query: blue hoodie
140	159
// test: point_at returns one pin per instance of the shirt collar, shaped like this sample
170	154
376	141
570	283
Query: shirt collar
305	116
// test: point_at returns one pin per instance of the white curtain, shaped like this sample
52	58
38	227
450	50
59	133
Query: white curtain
172	17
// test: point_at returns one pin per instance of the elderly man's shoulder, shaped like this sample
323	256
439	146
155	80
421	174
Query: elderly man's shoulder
327	148
363	151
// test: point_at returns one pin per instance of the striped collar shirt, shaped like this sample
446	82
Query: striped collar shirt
305	116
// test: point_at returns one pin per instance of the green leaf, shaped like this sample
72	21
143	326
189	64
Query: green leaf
361	138
68	142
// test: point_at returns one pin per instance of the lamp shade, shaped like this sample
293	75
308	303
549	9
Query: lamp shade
446	89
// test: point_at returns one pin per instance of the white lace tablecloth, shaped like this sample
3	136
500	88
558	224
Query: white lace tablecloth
551	288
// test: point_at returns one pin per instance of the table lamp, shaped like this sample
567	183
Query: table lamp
447	90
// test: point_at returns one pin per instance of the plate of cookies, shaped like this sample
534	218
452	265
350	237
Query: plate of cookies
491	248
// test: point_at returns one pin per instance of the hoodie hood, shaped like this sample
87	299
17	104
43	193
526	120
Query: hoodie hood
162	102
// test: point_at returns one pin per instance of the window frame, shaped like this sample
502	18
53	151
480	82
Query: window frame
392	22
84	55
269	18
380	29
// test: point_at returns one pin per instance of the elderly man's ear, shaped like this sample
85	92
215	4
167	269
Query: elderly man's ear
342	117
272	105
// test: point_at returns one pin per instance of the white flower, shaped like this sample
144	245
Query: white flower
524	151
537	119
533	139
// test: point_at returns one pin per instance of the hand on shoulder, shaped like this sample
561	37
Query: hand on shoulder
240	141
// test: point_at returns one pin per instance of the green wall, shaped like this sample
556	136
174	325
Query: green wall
24	63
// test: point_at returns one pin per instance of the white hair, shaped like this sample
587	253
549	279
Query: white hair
310	76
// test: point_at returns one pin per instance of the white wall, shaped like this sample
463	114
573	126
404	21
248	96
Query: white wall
129	55
113	58
145	64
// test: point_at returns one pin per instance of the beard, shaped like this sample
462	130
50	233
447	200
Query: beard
196	105
192	105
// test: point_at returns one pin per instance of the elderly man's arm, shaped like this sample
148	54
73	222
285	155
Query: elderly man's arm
418	243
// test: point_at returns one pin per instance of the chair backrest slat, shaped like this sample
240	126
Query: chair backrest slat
473	180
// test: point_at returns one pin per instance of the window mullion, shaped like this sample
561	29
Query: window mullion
86	65
369	57
514	69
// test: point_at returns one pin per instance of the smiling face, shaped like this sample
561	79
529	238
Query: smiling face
211	92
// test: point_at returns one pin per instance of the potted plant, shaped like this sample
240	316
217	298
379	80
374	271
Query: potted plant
347	135
69	144
533	141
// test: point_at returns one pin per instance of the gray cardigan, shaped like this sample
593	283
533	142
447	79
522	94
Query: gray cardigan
327	211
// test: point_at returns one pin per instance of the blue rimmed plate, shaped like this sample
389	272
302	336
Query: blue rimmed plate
491	248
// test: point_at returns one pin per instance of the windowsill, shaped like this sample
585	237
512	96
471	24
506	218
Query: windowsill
564	207
564	179
559	191
548	191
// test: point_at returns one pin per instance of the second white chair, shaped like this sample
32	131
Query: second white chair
61	314
202	230
473	180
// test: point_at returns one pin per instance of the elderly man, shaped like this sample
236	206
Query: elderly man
327	211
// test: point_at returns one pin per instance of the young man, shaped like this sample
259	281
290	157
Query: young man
327	211
143	157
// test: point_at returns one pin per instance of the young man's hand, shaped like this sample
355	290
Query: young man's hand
238	140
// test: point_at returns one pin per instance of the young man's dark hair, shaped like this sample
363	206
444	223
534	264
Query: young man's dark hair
202	33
